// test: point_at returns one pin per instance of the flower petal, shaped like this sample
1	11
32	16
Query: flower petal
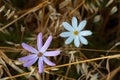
76	41
67	26
40	65
65	34
83	40
46	45
82	25
74	23
39	41
26	58
52	53
85	33
29	48
48	61
30	62
69	40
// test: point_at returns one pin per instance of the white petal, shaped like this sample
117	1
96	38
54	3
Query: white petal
76	41
67	26
82	25
69	40
83	40
85	33
74	23
65	34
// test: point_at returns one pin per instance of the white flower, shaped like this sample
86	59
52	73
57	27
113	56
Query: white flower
75	32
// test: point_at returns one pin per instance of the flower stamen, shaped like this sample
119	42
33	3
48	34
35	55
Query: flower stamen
75	32
39	54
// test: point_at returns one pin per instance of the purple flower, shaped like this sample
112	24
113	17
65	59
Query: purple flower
39	54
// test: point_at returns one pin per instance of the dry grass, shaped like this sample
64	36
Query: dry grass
21	21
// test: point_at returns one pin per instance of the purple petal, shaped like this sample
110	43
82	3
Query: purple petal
48	61
52	53
30	62
40	65
26	58
39	41
29	48
74	23
46	45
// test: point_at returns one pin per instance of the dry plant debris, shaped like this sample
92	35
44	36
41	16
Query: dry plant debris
22	20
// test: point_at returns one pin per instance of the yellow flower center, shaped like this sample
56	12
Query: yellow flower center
75	33
39	54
